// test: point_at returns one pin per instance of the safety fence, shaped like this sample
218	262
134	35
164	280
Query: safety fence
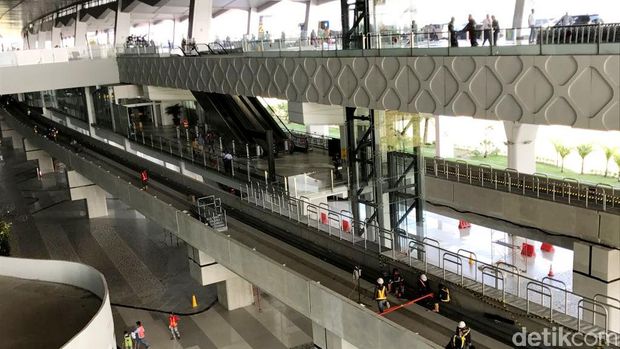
548	298
210	211
586	38
566	190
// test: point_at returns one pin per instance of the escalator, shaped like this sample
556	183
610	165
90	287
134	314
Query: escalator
245	119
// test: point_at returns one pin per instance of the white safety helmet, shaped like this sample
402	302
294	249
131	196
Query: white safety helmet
462	324
380	281
423	277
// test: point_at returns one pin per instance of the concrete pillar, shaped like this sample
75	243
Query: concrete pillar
21	97
521	140
235	293
81	187
56	39
16	138
200	16
325	339
122	25
205	269
444	147
43	106
517	19
80	32
45	161
90	109
596	271
252	22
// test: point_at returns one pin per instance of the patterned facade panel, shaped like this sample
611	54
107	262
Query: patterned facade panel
575	90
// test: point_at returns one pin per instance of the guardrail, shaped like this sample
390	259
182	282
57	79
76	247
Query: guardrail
590	39
538	185
425	254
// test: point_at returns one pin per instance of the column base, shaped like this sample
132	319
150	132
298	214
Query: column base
235	293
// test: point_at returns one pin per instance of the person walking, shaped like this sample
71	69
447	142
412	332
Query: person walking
531	22
495	27
486	30
127	341
470	29
566	20
173	323
144	178
140	335
381	295
454	40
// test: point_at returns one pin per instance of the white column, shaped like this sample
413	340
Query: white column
325	339
81	28
521	140
90	110
204	269
45	161
122	26
81	188
596	270
200	16
235	293
444	147
56	36
252	22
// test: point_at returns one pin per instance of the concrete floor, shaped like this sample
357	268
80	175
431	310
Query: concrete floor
38	314
143	265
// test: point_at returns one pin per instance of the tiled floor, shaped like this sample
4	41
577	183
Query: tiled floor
143	265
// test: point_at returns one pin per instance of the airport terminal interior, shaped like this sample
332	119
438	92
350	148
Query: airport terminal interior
331	174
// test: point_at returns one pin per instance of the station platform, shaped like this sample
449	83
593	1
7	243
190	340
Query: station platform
44	315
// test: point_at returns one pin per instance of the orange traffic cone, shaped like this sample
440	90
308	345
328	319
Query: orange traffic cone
194	302
550	273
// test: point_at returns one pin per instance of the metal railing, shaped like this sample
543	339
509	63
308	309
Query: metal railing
210	211
416	252
541	186
527	41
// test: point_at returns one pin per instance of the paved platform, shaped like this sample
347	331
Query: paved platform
143	265
43	315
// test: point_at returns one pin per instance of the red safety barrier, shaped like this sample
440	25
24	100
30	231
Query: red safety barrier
527	250
346	226
546	247
396	307
323	217
464	224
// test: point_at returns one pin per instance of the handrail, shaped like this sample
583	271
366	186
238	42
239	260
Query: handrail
617	307
565	289
458	262
542	295
496	275
472	257
594	304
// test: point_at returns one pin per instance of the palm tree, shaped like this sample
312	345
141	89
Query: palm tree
617	161
583	150
175	112
562	151
609	153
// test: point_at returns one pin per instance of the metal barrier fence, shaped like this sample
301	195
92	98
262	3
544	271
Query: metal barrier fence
570	191
426	254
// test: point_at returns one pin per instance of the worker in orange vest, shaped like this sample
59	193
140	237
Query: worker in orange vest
173	322
144	177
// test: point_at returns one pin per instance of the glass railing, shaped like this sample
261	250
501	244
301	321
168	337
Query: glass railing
54	55
579	39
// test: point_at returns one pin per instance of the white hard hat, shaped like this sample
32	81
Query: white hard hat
380	281
462	324
423	277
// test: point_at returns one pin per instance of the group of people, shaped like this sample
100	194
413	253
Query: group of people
394	283
490	31
136	338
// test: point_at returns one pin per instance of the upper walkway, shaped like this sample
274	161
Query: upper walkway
58	68
574	83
